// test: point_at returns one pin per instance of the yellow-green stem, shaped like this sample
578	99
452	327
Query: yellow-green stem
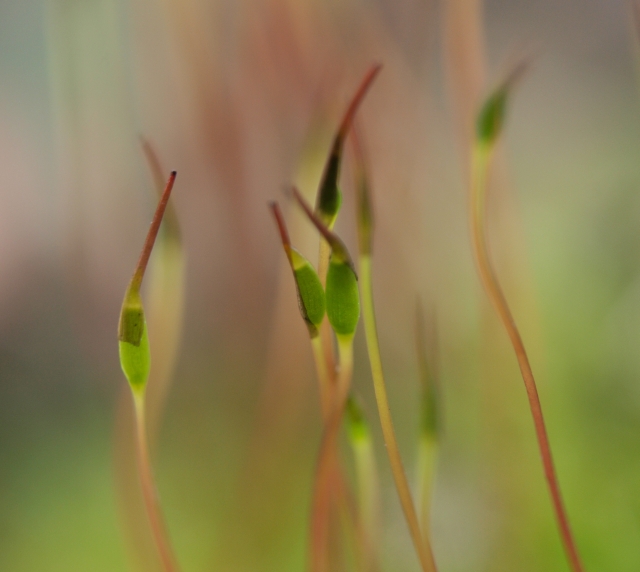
327	459
151	501
326	333
482	153
325	381
367	481
427	452
421	544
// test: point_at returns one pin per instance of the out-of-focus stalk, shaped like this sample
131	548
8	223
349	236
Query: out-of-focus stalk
365	233
429	422
367	484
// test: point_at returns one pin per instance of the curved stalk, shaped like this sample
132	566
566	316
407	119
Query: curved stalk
421	544
147	482
481	160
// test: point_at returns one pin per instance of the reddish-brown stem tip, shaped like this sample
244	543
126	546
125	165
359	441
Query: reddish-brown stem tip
355	102
337	246
282	227
138	275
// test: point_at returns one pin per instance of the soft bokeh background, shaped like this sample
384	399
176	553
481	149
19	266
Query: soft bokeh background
241	98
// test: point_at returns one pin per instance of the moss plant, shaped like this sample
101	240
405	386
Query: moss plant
329	197
365	234
343	311
488	129
135	359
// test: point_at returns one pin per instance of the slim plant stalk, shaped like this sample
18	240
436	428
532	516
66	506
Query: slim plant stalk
149	492
367	484
322	493
430	422
420	542
365	221
427	452
482	154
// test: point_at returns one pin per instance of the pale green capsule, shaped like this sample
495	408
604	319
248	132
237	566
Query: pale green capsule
343	298
311	298
133	342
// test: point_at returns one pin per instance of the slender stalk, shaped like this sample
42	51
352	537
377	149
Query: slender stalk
326	333
149	492
325	381
421	543
427	452
327	460
430	422
367	484
481	161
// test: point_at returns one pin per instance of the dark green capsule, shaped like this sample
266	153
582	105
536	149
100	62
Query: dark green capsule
311	298
329	197
491	117
343	299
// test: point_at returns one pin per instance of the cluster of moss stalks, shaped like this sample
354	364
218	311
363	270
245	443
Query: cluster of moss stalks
331	298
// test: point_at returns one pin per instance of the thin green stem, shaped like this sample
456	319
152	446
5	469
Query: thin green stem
481	161
366	477
325	381
427	451
327	459
421	544
149	492
326	335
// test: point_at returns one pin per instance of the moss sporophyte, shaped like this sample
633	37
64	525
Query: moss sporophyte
489	126
135	359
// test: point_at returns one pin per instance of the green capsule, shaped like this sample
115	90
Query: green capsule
329	197
343	298
491	117
311	298
133	341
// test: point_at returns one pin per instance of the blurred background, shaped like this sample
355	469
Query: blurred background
242	98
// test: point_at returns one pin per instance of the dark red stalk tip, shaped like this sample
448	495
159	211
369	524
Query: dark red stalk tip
357	99
337	246
138	275
282	227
